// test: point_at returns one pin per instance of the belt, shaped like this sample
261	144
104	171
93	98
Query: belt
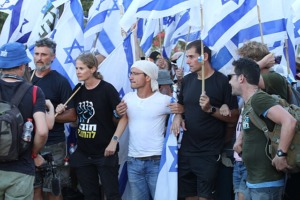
156	157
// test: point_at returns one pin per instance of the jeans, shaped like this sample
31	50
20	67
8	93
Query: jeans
239	179
270	193
142	177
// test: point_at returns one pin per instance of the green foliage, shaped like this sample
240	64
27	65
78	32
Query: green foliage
3	16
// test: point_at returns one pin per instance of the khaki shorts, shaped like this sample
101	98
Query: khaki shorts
15	185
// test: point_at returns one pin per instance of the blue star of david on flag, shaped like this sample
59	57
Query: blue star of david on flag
24	22
226	1
174	150
114	7
69	50
168	20
98	7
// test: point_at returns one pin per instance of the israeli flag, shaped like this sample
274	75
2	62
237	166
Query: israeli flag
68	48
99	32
166	186
223	19
153	9
21	20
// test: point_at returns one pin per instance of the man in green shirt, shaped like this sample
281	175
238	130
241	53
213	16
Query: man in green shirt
265	178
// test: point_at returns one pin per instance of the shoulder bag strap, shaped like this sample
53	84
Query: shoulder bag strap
20	93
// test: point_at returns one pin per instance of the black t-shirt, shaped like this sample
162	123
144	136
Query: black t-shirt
205	133
94	109
25	163
58	90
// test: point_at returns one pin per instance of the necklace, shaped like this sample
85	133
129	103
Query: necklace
12	76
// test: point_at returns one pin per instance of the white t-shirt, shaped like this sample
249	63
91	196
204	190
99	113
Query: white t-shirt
146	123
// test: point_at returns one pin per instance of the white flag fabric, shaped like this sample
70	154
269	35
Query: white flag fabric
166	186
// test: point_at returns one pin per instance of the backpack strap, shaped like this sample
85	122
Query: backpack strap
34	94
21	91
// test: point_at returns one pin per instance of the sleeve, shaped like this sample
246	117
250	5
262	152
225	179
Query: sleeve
40	105
113	95
66	92
262	102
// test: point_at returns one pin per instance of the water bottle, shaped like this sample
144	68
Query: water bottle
27	130
72	148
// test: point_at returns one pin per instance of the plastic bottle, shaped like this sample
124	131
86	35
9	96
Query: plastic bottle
27	130
72	148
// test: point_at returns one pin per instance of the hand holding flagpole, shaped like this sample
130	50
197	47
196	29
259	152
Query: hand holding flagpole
71	97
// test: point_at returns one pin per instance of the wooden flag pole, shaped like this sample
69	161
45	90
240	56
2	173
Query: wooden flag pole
121	8
202	51
32	75
260	25
159	36
71	97
287	56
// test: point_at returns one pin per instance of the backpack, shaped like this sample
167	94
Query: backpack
273	137
294	95
11	125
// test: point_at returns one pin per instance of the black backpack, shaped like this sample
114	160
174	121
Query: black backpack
11	126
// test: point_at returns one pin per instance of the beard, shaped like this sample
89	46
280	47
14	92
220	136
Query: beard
43	67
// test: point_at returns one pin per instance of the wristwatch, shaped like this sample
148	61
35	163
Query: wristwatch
115	138
212	110
116	114
280	153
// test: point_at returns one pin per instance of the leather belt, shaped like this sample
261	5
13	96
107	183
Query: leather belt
156	157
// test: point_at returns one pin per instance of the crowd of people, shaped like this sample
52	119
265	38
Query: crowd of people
222	153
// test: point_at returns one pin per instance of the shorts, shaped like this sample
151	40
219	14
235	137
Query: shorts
239	178
197	175
15	185
44	176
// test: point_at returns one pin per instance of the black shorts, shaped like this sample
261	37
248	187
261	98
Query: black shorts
197	175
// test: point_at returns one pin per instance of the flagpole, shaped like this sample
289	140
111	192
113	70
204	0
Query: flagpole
287	56
260	25
137	50
202	51
159	36
121	8
71	96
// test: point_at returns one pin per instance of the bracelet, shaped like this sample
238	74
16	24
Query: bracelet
33	155
116	115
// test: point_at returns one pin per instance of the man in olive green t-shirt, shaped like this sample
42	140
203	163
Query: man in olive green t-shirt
265	178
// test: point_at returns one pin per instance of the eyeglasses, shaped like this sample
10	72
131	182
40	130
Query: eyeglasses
231	75
136	73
